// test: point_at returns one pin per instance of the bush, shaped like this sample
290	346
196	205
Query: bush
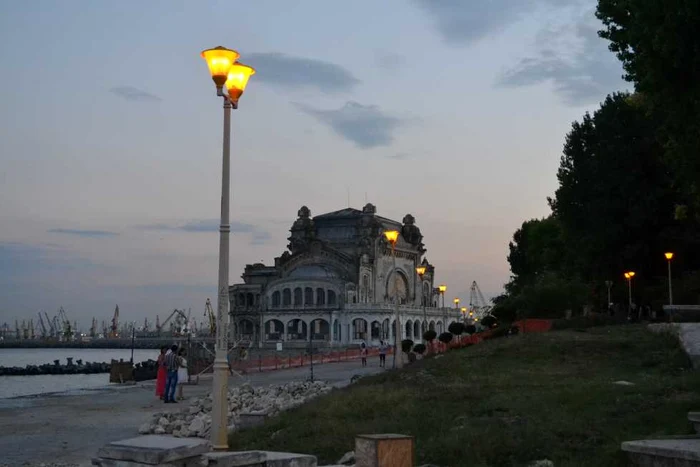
488	321
419	349
429	335
456	328
406	345
445	337
470	329
497	332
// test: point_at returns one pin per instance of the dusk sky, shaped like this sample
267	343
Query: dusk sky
110	136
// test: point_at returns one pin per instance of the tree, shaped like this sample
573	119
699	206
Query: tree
456	328
419	349
406	345
659	46
445	338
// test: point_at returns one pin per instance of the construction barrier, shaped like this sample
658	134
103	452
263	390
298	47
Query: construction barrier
275	362
534	325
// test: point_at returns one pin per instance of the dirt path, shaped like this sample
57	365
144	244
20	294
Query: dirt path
69	429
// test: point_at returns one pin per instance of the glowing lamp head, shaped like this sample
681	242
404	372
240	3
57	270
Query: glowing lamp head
464	310
237	79
456	301
629	275
420	270
668	255
391	236
220	60
442	288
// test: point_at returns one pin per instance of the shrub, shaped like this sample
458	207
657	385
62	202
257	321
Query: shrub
419	349
497	332
445	337
406	345
488	321
456	328
470	329
429	335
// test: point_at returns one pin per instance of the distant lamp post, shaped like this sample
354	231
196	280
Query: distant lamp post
629	275
463	310
443	288
669	257
456	302
225	72
420	270
392	236
608	284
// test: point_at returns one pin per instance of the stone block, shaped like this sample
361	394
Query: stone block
694	418
154	449
384	450
288	459
250	420
235	459
674	452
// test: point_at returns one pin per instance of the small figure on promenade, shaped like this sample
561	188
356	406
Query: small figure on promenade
182	375
162	373
172	363
363	354
382	353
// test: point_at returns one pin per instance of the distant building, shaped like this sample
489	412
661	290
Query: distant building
336	283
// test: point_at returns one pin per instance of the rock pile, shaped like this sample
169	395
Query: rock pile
195	420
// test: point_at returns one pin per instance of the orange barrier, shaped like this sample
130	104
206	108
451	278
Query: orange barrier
280	363
534	325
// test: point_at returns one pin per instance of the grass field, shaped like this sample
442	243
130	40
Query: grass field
507	401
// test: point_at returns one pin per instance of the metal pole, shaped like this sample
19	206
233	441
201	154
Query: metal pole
629	290
670	290
397	337
311	354
133	336
219	420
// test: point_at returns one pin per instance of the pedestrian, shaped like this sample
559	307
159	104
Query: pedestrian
172	363
363	354
162	373
382	353
182	375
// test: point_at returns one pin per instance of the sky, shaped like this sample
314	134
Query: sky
111	132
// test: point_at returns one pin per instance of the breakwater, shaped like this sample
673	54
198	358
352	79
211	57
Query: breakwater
138	343
146	368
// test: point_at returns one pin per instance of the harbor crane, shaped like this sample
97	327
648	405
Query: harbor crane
477	303
44	332
179	325
114	330
209	313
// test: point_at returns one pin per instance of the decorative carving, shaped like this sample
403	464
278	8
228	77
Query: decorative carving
303	231
369	209
411	233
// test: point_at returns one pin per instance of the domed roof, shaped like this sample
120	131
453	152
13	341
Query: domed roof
313	271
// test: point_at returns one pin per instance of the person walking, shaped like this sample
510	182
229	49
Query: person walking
182	375
382	353
162	373
363	354
172	363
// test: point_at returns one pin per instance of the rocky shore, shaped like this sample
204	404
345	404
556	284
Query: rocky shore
195	420
70	368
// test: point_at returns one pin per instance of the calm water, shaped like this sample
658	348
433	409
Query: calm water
14	386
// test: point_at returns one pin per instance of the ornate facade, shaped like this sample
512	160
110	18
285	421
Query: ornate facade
337	285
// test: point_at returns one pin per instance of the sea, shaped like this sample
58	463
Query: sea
20	386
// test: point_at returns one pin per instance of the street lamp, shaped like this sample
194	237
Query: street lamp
609	285
234	76
463	310
392	236
669	257
443	288
456	302
629	275
421	272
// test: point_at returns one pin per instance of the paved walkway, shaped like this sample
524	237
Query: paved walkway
68	429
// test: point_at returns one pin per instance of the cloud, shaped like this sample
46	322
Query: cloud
389	61
364	125
21	260
85	233
297	72
131	93
259	236
574	59
463	22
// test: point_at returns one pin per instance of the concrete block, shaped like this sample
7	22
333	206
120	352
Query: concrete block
694	418
235	459
675	452
384	450
154	449
249	420
288	459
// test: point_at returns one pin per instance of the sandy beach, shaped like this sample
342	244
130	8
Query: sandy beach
68	429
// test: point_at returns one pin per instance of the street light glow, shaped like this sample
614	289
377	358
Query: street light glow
220	60
420	270
392	236
237	79
442	288
456	300
669	256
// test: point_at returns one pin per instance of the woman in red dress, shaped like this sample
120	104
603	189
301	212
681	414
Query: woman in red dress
160	381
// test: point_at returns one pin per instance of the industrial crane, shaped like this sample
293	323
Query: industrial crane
477	303
114	330
179	325
93	328
44	332
209	313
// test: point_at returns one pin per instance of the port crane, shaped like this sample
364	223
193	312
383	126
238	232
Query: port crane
209	313
114	330
178	326
44	332
477	303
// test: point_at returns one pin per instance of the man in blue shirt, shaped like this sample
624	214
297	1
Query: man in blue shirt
172	363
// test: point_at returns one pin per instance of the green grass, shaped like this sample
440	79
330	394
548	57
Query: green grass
507	402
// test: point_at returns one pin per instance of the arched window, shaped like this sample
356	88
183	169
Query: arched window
297	297
241	299
250	300
308	296
276	299
331	297
320	296
286	297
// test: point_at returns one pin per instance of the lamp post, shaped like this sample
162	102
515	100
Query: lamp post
392	237
608	285
629	275
669	257
443	288
456	302
463	310
234	76
421	272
